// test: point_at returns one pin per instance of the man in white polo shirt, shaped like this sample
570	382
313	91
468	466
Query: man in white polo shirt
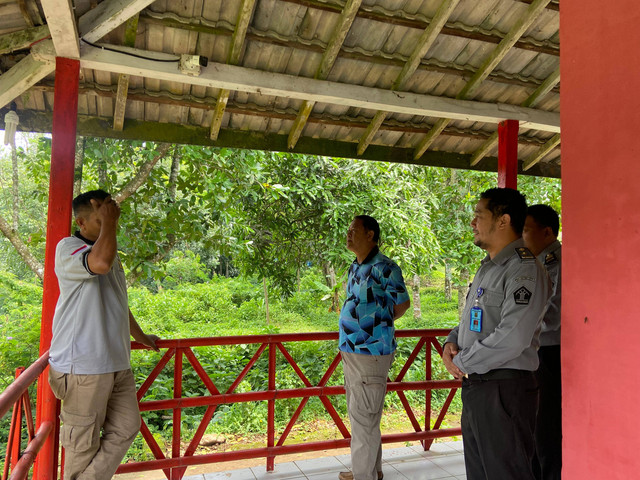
90	370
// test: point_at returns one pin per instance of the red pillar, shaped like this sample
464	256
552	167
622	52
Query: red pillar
65	113
508	154
600	215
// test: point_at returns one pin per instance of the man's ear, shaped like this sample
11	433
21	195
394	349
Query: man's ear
80	221
370	235
504	221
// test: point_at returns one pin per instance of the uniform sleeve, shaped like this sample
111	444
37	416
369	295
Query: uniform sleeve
525	296
394	285
71	259
552	315
453	336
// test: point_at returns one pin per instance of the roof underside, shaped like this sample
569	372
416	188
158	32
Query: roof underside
418	81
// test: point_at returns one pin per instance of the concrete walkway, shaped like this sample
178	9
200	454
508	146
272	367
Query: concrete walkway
444	461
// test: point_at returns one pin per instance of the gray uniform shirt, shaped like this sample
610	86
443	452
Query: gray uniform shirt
551	258
91	321
512	290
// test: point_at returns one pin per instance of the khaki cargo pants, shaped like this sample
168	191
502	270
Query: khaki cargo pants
100	420
365	381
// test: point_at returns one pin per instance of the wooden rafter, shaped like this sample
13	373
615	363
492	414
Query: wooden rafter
19	78
120	107
374	13
551	81
542	152
487	66
423	45
11	42
329	57
108	15
235	51
288	86
62	26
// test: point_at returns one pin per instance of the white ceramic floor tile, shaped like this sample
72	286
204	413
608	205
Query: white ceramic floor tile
242	474
317	466
454	464
282	471
395	455
194	477
422	469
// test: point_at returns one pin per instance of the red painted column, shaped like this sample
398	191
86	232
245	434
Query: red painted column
508	154
601	237
65	113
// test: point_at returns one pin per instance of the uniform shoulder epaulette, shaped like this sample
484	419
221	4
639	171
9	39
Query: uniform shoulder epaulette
525	254
550	258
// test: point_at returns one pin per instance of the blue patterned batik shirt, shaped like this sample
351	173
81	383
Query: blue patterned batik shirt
366	319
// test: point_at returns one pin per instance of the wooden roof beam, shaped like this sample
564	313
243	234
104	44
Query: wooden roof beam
422	47
194	135
22	76
62	26
235	51
107	16
329	57
548	85
541	153
23	39
487	66
288	86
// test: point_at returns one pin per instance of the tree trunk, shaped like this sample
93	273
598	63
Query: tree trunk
16	187
417	311
173	177
266	299
142	175
462	290
447	281
332	283
102	170
77	170
31	261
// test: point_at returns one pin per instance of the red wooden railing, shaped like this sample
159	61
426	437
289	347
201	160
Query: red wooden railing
17	394
175	466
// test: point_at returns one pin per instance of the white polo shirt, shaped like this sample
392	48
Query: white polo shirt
91	321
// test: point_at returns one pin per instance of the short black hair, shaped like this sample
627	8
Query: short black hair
507	201
83	200
371	225
545	216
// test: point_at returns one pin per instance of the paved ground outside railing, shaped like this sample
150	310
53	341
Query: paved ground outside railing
444	461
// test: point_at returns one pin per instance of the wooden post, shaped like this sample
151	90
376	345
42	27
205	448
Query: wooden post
65	112
508	154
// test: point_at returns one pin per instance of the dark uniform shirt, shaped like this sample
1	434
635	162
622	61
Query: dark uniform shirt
551	258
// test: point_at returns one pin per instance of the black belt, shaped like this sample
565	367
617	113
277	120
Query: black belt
500	374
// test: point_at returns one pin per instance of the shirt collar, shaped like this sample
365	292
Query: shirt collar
374	251
505	253
552	247
85	240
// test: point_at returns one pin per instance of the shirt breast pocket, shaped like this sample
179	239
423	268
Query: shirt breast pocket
492	299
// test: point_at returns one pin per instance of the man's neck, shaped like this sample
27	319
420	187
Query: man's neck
500	244
362	255
544	247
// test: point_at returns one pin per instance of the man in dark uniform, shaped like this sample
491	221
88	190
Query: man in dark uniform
540	235
494	348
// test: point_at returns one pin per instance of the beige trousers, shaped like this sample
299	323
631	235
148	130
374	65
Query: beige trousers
100	420
365	381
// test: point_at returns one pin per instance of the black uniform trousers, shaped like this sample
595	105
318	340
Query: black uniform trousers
498	421
547	463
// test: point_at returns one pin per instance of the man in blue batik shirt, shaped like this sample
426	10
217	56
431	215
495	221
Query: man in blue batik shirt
376	296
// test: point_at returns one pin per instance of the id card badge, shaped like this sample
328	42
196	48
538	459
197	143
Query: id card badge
475	320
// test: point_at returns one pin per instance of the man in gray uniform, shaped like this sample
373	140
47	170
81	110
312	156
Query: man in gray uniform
89	355
494	348
540	235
